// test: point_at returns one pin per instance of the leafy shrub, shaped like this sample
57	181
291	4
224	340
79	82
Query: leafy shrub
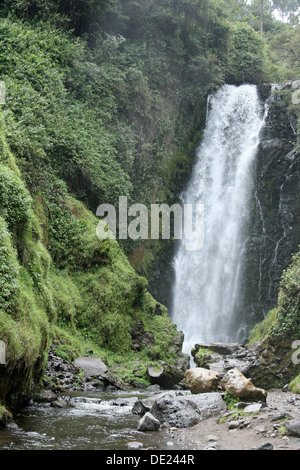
15	201
288	318
262	329
9	270
246	55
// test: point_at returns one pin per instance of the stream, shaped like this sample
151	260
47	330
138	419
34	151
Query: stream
96	421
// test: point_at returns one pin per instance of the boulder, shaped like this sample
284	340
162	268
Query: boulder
240	387
254	408
45	396
293	428
208	404
5	417
62	403
139	408
201	380
92	366
182	362
225	348
182	411
264	446
222	357
165	375
176	411
148	423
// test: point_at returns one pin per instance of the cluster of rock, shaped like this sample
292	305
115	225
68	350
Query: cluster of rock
220	373
89	372
222	357
225	366
85	374
190	398
234	382
177	409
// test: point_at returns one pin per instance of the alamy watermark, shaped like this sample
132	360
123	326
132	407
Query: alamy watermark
2	353
296	93
296	355
187	223
2	92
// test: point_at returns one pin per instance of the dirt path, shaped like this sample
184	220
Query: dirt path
253	431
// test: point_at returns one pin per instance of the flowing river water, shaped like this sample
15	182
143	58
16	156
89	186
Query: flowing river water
96	421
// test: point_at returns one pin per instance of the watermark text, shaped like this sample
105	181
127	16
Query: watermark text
296	355
296	93
2	92
2	353
164	222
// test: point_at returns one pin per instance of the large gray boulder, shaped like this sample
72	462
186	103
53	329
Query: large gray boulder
92	366
177	412
187	410
148	423
293	428
45	396
140	408
208	404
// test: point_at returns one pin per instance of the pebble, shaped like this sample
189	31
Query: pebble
134	445
260	429
256	407
211	447
280	416
264	446
233	425
210	437
165	426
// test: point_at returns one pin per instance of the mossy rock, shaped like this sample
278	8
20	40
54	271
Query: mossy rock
294	385
5	416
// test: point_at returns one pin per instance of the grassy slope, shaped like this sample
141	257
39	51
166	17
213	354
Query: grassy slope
93	301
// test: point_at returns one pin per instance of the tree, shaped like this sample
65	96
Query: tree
262	17
289	8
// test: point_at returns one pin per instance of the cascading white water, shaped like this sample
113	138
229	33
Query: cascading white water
206	297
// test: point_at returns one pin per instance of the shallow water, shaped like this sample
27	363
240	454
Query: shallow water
96	422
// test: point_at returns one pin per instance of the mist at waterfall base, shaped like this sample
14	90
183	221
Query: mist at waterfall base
207	297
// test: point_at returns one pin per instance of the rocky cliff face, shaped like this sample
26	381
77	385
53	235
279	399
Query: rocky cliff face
274	225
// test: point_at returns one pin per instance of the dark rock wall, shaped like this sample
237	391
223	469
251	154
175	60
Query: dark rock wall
274	225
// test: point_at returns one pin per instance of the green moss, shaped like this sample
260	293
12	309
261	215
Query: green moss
281	430
131	372
231	401
294	385
288	317
5	416
25	330
9	270
261	329
15	201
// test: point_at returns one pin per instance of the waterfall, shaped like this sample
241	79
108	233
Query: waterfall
207	295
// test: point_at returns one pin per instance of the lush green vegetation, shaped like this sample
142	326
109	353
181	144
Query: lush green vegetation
105	98
294	386
261	330
288	317
283	322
